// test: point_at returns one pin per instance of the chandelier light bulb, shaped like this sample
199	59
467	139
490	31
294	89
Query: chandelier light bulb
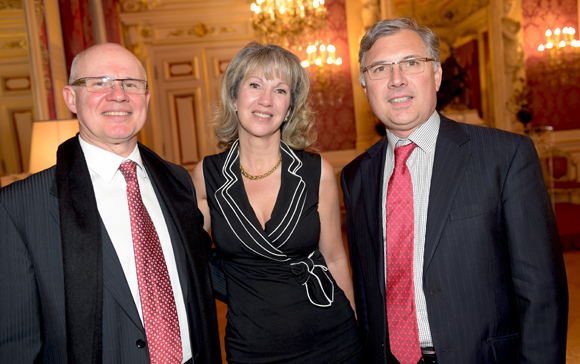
549	45
557	31
338	61
318	62
281	10
562	44
315	3
541	48
329	60
305	64
331	48
571	30
548	33
322	48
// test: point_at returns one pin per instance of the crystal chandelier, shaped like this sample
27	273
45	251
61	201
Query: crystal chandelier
285	22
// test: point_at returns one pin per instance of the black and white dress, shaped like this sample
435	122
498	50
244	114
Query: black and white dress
283	304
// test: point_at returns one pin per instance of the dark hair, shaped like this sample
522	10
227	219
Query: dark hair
393	26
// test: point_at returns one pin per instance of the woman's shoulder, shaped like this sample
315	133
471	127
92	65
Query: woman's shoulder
216	160
306	157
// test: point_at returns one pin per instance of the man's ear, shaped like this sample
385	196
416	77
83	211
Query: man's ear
438	77
70	95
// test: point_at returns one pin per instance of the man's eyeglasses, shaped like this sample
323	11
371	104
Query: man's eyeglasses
105	84
411	66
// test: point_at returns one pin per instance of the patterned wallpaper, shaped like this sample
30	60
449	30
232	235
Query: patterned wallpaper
334	103
554	96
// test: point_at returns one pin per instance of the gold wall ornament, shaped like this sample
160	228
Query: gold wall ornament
146	32
18	44
137	6
10	4
201	30
287	22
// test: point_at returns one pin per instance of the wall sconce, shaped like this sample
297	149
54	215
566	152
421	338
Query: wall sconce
559	53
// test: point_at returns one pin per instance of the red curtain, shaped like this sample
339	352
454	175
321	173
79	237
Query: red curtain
77	25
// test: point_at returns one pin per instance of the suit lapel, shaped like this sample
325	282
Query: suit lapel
451	158
372	180
115	283
194	242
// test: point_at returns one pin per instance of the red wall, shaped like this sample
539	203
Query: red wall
335	122
554	96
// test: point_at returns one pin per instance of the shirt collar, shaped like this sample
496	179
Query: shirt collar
106	164
424	136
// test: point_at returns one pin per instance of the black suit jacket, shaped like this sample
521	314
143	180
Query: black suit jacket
32	299
493	275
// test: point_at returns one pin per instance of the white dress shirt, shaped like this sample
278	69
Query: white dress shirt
420	165
111	195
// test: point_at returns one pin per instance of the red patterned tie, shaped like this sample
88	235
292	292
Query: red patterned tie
401	314
157	300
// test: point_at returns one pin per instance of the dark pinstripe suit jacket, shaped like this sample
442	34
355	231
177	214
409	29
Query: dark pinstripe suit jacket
32	300
493	273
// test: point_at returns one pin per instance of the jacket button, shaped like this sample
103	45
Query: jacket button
141	343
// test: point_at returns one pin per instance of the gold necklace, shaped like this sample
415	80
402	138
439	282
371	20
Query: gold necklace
252	177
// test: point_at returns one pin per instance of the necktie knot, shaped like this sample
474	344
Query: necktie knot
128	170
402	153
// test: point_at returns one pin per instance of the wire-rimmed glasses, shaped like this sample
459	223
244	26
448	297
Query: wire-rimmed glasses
411	66
105	84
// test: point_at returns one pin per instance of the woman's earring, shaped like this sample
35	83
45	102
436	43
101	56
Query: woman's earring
286	118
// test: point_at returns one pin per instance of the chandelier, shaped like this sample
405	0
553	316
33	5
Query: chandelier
560	51
297	25
285	22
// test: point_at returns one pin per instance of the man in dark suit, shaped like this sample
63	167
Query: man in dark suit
471	253
75	239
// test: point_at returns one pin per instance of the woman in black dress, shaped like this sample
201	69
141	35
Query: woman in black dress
274	213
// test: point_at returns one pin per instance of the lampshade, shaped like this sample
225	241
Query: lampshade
46	137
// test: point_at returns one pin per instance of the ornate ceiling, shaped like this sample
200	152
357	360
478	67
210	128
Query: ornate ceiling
439	13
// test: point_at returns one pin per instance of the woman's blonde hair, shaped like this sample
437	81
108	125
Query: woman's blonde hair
273	61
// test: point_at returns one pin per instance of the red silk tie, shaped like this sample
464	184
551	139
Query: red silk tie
401	314
157	300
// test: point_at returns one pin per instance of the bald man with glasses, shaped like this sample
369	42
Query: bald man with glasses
103	258
453	243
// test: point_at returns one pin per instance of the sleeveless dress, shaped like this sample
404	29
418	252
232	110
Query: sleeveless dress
283	304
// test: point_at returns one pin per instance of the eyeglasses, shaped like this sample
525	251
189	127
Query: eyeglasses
407	66
105	84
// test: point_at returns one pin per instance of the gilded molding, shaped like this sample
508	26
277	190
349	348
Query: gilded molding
10	4
201	30
440	13
138	6
18	44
